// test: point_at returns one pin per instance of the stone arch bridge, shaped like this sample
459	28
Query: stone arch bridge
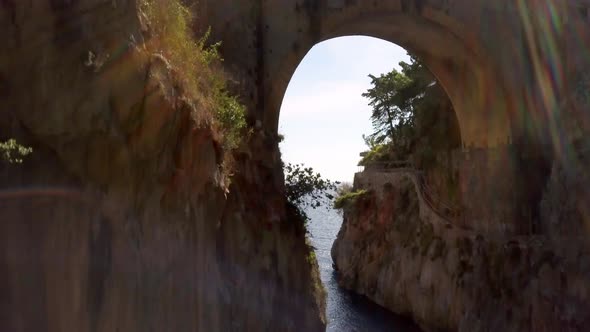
508	67
119	219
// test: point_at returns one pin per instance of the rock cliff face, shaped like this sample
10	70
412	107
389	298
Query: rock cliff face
395	250
120	220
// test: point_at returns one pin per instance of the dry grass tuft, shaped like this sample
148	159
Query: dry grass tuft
197	68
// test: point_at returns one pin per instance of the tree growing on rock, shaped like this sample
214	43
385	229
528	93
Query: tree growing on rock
411	115
305	188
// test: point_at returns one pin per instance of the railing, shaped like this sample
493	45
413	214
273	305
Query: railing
435	203
443	209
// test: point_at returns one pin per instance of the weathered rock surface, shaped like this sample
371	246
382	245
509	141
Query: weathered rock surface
394	250
120	220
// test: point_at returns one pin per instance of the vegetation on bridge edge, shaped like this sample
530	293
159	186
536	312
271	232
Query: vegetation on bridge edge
196	65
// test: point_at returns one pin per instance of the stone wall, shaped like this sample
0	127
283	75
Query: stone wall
491	191
501	188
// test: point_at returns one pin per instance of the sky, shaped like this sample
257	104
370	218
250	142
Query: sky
323	115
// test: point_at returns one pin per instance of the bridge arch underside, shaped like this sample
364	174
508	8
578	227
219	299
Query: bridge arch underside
459	63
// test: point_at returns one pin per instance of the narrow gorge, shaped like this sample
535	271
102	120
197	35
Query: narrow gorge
140	208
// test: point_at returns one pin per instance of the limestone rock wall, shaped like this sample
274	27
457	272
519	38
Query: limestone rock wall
492	191
120	220
404	258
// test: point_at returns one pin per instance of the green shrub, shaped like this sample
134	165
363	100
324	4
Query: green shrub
231	119
377	153
196	65
306	188
347	198
12	152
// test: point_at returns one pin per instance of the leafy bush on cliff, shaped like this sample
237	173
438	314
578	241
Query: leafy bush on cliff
376	153
12	152
306	188
231	118
348	198
197	68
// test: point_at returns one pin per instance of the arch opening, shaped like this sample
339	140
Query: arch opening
457	62
322	117
326	116
483	100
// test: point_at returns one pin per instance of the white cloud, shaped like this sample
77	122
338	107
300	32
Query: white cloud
326	96
360	55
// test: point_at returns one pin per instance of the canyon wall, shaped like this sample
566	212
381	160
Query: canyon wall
399	253
122	219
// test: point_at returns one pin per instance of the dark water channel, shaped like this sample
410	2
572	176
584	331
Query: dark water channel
346	311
